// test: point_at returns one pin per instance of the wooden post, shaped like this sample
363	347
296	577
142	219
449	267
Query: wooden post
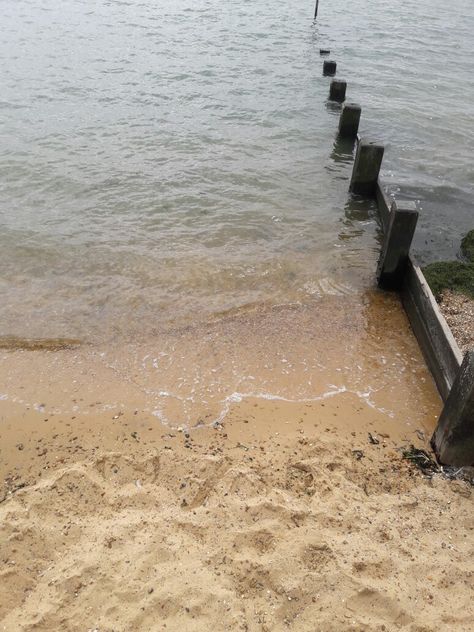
442	354
453	440
366	169
396	246
337	90
329	68
349	120
316	9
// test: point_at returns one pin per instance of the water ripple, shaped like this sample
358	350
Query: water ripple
147	150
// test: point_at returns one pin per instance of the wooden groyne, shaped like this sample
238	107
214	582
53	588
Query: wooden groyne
397	270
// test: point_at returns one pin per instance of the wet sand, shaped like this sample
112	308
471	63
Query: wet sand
223	476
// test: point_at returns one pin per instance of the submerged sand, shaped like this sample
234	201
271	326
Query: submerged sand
254	500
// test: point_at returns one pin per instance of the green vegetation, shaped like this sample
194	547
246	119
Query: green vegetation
454	275
451	275
467	246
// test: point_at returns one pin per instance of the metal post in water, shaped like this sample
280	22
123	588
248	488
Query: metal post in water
349	120
316	9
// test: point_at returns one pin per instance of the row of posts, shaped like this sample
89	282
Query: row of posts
453	440
365	173
403	216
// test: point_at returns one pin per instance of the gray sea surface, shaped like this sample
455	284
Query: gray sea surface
163	162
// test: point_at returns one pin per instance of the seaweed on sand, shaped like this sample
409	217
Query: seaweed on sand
421	459
427	464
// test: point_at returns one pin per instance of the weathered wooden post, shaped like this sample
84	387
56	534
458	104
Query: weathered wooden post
366	169
316	9
337	90
396	246
329	68
453	440
349	120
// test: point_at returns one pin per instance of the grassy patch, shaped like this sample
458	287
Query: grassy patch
452	275
467	246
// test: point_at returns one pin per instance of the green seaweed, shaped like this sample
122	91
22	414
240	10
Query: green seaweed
467	246
454	275
451	275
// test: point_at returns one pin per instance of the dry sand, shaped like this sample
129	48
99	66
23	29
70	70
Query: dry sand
282	515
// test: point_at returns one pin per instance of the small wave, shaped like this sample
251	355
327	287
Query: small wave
237	397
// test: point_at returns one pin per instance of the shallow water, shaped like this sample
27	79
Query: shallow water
353	349
162	164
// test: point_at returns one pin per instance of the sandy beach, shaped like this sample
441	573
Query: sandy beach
282	519
278	514
207	406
